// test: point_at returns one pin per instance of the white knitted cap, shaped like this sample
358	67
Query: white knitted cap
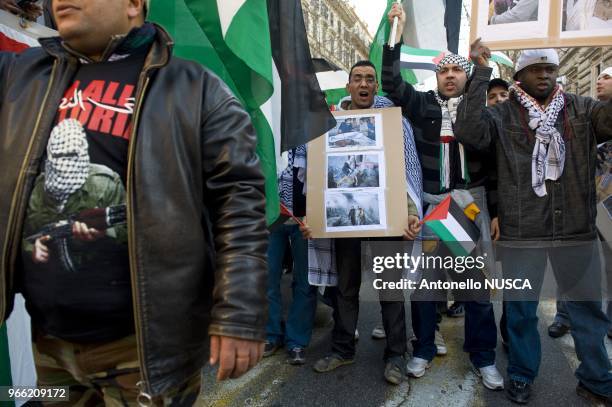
607	71
536	56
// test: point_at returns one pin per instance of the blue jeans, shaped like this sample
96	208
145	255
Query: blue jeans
561	316
298	328
480	329
572	267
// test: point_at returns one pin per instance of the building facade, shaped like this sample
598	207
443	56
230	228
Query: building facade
580	68
335	32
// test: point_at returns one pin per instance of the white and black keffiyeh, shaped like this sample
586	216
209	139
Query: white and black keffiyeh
548	158
455	59
447	136
67	165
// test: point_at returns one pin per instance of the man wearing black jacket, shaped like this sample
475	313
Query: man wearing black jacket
544	141
135	323
447	169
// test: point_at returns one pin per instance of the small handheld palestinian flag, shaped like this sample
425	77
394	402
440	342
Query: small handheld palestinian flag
285	214
454	226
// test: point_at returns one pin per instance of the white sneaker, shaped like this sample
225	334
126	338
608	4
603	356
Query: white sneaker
416	367
491	378
440	344
379	332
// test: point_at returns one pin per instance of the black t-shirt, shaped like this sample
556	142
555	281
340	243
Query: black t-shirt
82	293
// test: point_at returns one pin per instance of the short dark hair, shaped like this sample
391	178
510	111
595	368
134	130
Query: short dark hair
363	62
497	83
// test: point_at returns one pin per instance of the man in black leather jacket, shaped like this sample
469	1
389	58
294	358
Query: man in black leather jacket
194	265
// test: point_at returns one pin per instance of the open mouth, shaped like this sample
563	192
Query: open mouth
364	94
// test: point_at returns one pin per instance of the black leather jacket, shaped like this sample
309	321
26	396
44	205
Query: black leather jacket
197	235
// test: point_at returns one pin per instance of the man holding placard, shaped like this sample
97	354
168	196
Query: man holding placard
363	88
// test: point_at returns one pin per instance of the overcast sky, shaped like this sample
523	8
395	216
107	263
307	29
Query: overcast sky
370	11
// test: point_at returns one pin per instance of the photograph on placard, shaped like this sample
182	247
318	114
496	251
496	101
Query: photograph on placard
513	11
355	132
355	170
587	15
355	210
514	23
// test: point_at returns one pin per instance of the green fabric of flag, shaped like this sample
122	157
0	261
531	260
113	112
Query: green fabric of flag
232	39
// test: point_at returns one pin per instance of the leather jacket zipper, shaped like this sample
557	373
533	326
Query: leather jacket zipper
144	395
144	383
17	200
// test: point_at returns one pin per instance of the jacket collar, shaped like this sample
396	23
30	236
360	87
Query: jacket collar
158	56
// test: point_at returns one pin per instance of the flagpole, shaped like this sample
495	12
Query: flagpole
393	36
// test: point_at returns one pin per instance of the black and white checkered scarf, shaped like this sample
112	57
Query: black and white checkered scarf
548	158
67	165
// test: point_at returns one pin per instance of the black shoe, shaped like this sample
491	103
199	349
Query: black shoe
296	356
594	398
557	329
270	349
518	392
456	310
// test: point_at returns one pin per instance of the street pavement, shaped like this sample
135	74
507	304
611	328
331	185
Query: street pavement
449	382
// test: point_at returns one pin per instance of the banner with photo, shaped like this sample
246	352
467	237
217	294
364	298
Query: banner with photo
356	186
524	24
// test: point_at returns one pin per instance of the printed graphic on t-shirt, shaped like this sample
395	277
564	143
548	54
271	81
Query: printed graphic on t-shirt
101	106
72	189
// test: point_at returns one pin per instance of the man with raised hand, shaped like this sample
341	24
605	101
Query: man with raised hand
545	145
448	168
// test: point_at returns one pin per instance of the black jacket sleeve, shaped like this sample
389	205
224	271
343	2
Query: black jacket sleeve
400	92
234	185
475	127
6	61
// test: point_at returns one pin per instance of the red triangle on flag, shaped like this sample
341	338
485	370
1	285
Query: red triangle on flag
9	44
440	212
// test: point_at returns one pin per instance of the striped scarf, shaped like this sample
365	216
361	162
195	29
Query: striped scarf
548	156
447	136
296	158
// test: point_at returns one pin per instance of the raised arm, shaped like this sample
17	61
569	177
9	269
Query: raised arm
401	93
475	127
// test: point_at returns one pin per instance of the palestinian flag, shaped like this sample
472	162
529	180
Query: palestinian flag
14	38
233	39
453	226
430	28
304	112
332	81
501	58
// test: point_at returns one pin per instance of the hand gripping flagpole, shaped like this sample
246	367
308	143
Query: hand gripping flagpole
393	36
